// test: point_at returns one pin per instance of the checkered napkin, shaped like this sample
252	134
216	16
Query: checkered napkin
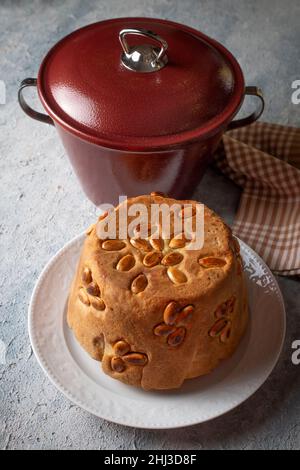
264	159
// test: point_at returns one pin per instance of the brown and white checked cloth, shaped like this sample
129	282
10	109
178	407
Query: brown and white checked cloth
264	159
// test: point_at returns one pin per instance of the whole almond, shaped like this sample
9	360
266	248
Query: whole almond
226	332
136	359
121	348
93	289
152	259
185	316
157	244
83	297
126	263
113	245
171	259
177	337
171	312
140	244
142	228
117	364
163	330
176	276
139	284
218	327
86	276
177	242
230	304
211	262
98	303
221	310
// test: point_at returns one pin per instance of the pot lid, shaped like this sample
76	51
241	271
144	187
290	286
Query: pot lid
140	83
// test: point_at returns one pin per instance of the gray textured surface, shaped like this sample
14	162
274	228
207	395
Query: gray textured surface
42	207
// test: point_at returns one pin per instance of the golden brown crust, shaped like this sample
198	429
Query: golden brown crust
123	293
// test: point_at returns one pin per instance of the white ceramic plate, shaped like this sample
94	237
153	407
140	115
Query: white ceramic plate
81	379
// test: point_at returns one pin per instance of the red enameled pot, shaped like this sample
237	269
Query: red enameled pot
140	104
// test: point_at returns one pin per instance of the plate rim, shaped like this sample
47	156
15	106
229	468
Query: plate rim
83	405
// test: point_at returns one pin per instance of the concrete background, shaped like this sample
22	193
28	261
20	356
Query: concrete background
42	207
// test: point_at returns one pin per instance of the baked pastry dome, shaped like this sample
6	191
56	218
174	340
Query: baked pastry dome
154	312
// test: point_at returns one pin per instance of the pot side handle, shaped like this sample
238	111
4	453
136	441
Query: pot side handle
26	108
253	91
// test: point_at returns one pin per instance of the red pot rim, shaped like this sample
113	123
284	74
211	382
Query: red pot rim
180	139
